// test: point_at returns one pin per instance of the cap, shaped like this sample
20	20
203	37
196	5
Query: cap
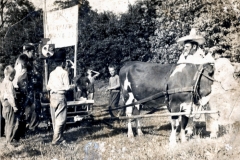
28	47
60	55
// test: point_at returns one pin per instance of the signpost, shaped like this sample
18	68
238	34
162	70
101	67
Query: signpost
61	27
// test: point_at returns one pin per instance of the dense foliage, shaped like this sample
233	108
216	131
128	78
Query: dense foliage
216	20
21	24
147	32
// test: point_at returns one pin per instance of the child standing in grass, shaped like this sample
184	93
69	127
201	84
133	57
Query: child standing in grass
91	75
114	88
7	97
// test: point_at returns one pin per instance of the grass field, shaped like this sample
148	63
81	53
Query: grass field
88	141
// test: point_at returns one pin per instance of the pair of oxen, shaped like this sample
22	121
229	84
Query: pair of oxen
180	86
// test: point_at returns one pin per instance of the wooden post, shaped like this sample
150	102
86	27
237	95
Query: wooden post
45	60
46	74
1	106
75	61
0	120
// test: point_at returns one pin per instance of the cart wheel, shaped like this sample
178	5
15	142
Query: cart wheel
115	113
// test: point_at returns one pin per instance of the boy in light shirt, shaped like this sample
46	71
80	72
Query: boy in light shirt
114	88
7	98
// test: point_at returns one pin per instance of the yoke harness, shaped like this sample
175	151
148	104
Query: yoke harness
193	89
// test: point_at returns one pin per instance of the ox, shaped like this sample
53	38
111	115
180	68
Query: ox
182	85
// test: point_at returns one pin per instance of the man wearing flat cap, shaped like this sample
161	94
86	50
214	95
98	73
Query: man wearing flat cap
58	85
192	53
24	83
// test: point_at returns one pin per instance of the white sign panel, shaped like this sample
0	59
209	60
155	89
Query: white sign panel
62	27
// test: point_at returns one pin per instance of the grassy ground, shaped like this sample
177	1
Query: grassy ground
97	140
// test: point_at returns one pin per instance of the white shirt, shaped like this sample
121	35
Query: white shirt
7	92
58	81
198	58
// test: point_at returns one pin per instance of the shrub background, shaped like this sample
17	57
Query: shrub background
147	32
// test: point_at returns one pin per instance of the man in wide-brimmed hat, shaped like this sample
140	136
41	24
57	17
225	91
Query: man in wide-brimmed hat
192	53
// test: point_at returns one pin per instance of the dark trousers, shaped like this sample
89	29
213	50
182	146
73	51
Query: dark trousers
113	102
32	118
2	122
28	116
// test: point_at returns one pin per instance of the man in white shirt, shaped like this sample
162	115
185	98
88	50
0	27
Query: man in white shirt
58	85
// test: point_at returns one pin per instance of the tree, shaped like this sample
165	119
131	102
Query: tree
149	30
215	20
21	24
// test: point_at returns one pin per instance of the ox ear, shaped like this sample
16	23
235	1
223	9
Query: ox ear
209	67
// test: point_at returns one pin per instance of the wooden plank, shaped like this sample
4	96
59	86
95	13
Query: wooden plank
73	103
155	115
70	113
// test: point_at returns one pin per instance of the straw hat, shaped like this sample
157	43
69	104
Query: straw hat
192	37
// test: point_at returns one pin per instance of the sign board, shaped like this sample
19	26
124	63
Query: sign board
62	27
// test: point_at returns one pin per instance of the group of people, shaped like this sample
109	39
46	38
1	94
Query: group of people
20	91
58	85
20	95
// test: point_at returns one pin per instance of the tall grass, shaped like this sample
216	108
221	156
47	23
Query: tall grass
87	141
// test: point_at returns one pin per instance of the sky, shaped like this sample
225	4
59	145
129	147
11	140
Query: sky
116	6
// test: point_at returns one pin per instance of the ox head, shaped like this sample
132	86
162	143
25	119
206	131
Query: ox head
206	80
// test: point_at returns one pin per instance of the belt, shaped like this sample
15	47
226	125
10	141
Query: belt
56	95
60	93
115	90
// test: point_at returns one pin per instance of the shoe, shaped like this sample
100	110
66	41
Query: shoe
60	142
11	146
63	143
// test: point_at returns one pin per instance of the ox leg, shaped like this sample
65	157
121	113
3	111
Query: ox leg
190	127
129	113
184	123
138	124
174	124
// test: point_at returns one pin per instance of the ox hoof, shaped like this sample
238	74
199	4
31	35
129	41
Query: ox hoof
213	135
189	132
188	136
183	139
140	133
130	135
172	143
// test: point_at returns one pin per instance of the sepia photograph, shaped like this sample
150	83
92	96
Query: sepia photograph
119	79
